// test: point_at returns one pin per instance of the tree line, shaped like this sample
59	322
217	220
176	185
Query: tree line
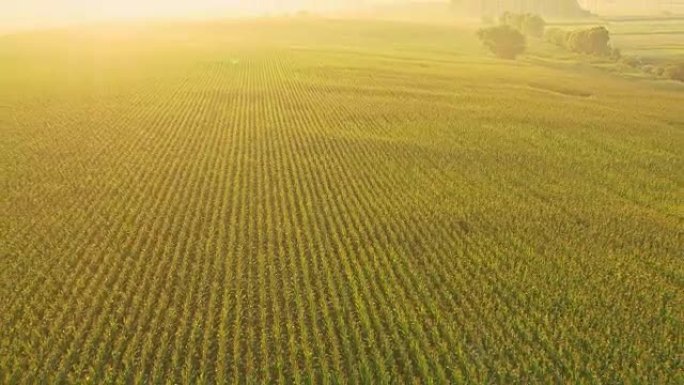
508	40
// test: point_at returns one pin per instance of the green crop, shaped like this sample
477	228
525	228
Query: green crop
332	202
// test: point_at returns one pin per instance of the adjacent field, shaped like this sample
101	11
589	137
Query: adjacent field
332	202
650	39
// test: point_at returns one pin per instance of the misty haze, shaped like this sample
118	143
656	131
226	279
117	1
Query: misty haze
341	192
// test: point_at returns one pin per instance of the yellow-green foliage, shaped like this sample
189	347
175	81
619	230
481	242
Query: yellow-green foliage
590	41
504	41
332	202
528	24
674	71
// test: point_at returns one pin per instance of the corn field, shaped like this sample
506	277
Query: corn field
305	202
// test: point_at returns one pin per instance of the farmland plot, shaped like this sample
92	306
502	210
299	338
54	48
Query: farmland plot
332	202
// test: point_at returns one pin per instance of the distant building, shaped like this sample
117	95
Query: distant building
557	8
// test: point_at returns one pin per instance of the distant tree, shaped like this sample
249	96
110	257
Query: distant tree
515	20
592	41
533	25
557	37
529	24
504	41
675	72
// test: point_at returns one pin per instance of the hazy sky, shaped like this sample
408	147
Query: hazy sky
32	13
633	6
17	12
117	8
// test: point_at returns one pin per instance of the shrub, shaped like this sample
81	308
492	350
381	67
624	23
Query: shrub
650	69
504	41
633	61
660	71
533	25
674	72
615	54
592	41
557	37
